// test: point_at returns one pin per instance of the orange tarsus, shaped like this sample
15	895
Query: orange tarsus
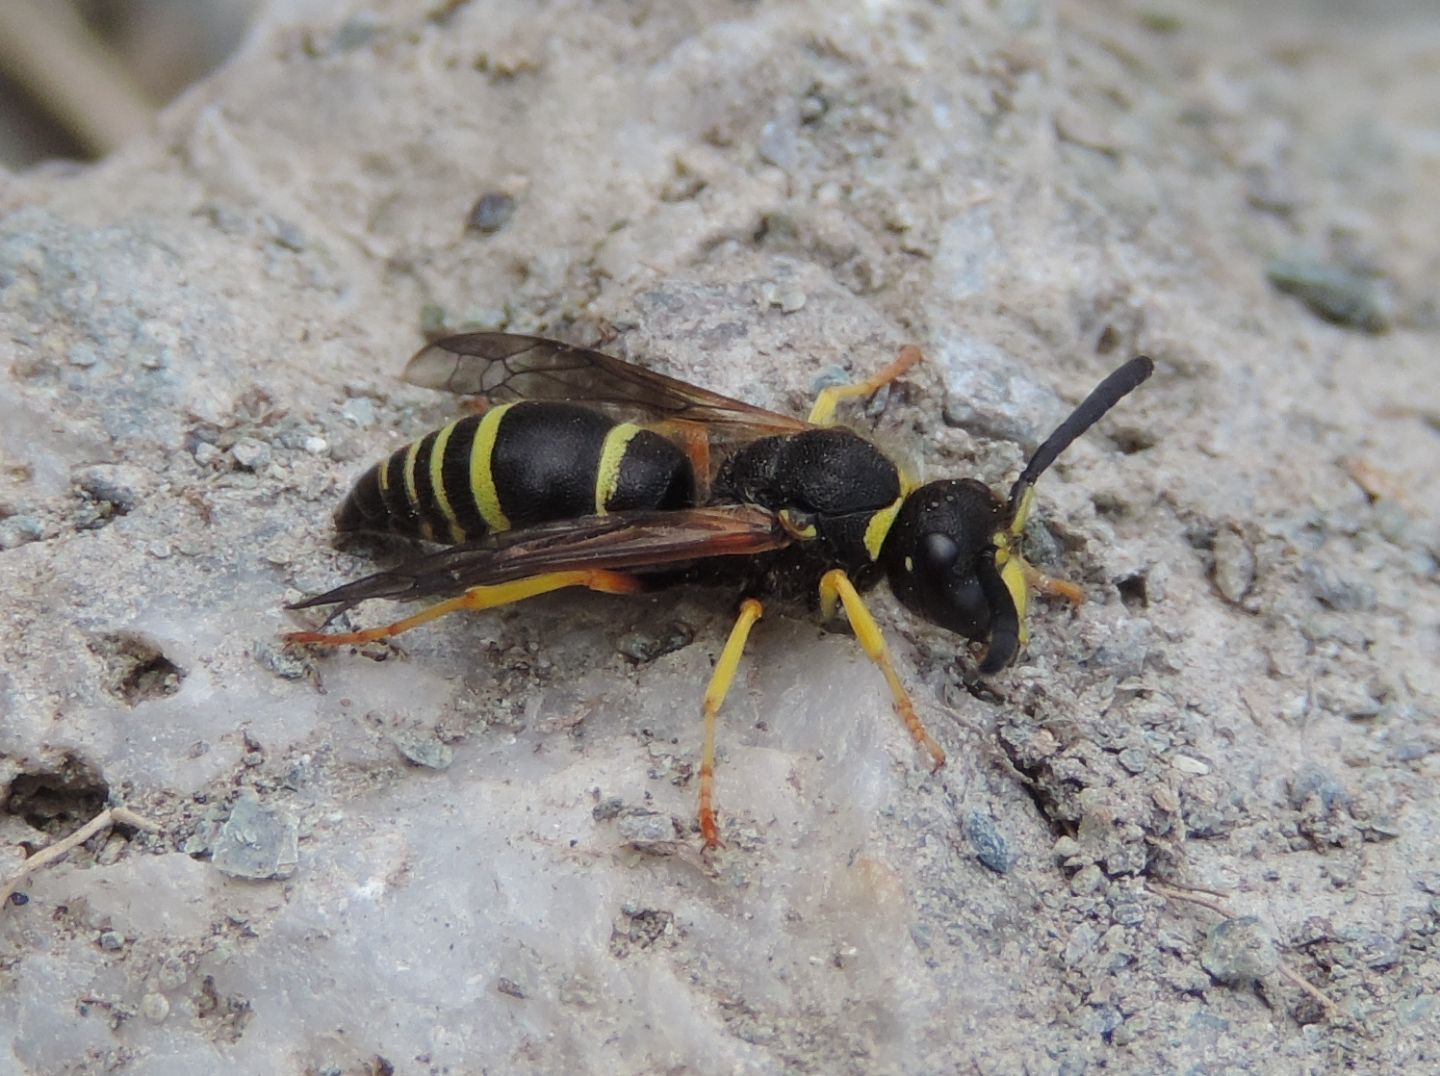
1053	587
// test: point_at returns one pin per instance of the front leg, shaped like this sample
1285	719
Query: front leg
835	585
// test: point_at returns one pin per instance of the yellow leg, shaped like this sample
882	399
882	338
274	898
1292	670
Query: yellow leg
715	692
487	597
823	413
835	584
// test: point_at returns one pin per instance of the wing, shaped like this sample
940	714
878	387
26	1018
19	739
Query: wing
504	366
622	541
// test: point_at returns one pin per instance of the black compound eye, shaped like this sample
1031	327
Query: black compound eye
937	553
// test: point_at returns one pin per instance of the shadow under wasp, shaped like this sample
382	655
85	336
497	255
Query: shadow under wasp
588	471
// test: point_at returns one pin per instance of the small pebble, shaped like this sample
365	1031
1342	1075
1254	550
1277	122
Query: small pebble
283	661
510	987
20	530
1314	780
423	749
359	411
172	973
288	234
990	846
607	809
787	297
1334	293
647	830
1087	880
257	841
250	454
154	1007
111	940
1234	566
1127	911
642	647
316	446
490	213
1133	760
117	485
206	454
1239	951
1080	944
778	144
1192	766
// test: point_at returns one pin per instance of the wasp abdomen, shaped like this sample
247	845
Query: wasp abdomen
516	465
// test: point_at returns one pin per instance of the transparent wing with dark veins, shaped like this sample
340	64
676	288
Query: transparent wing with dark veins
505	366
622	541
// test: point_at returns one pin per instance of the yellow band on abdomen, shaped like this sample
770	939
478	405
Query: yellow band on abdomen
412	495
437	482
612	456
482	476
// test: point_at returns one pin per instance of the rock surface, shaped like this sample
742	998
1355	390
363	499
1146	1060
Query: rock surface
199	339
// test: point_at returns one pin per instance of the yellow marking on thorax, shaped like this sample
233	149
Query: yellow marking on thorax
482	478
879	526
612	456
437	482
411	496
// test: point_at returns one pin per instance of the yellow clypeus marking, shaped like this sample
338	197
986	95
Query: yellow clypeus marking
612	456
1013	573
437	482
482	478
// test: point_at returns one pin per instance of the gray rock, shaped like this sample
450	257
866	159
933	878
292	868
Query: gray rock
256	841
1238	951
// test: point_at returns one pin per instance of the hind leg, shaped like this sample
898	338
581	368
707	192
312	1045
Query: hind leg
485	597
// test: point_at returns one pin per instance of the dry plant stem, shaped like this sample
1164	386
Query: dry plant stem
47	49
106	818
1284	969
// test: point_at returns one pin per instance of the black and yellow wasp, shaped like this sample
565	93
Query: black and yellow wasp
587	471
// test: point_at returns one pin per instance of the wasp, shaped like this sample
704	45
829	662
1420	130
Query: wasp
583	470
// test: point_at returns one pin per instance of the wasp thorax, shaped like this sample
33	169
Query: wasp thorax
934	552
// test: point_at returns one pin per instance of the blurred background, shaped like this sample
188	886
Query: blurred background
79	77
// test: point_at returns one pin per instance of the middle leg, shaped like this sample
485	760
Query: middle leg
479	597
719	686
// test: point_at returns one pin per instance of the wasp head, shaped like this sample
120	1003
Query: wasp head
950	555
939	558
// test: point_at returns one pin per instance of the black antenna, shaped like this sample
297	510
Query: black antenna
1105	396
